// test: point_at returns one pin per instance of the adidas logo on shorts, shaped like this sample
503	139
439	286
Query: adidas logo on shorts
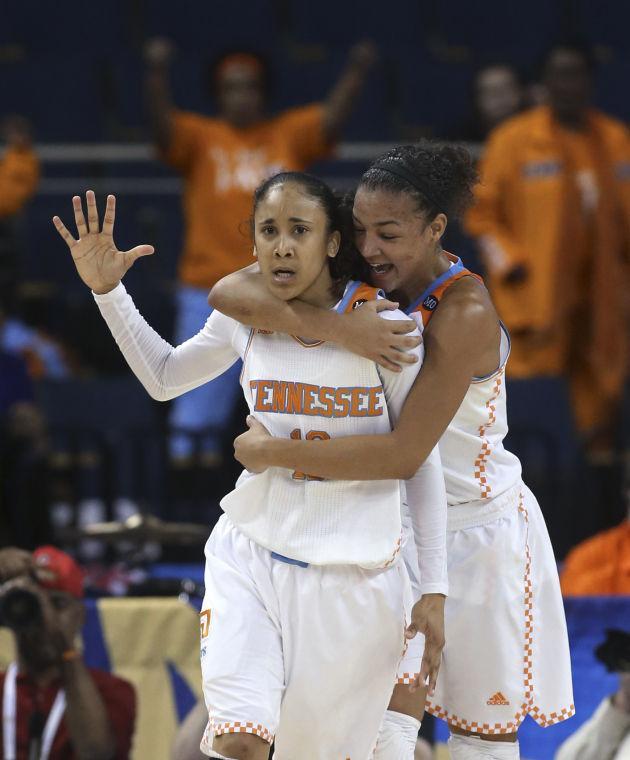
497	699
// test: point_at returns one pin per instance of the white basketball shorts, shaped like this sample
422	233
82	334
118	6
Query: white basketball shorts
303	655
507	651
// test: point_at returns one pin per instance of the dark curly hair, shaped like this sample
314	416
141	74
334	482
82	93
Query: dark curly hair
440	178
348	264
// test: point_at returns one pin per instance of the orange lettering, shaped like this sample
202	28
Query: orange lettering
374	408
279	397
342	404
309	394
326	399
356	397
204	621
294	398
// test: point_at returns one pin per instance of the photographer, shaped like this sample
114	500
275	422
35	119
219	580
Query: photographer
606	735
53	706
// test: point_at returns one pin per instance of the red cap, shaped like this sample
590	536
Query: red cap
57	570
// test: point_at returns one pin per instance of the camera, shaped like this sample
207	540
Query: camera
614	653
20	609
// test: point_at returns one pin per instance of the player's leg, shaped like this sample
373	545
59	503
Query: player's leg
241	648
463	746
241	747
343	635
487	630
398	733
546	670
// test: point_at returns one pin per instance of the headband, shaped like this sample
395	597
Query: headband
413	180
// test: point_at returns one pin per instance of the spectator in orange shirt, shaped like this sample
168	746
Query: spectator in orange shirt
599	565
222	161
552	220
19	175
19	167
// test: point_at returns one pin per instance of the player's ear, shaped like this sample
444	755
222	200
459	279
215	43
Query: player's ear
438	227
334	241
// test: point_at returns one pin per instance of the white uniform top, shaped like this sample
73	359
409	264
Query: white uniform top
476	464
297	390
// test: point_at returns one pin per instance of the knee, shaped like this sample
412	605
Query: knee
241	746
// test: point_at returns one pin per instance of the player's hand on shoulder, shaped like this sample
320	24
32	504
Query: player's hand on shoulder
14	562
384	341
250	447
99	263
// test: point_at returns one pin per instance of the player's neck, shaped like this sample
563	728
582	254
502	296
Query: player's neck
426	273
321	292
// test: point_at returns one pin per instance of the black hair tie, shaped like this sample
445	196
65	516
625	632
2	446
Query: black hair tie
413	180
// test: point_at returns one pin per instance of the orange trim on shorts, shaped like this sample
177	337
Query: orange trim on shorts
528	678
240	727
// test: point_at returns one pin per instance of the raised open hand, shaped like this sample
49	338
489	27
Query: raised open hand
99	263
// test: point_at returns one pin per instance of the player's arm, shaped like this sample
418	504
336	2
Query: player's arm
343	97
164	371
244	297
426	506
502	255
158	53
462	330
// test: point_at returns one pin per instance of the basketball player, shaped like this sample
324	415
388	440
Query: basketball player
506	652
303	619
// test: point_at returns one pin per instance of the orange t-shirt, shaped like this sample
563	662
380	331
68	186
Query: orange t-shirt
222	166
19	175
599	565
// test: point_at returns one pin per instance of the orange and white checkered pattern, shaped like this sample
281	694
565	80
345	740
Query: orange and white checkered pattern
240	727
527	707
484	454
395	553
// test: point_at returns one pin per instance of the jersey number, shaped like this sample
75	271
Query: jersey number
312	435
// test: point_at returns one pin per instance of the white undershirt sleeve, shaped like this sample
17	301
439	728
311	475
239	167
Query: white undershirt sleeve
165	371
426	490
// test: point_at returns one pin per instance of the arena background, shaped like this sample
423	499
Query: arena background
75	71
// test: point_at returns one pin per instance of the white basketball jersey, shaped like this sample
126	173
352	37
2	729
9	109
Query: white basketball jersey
296	390
315	392
476	464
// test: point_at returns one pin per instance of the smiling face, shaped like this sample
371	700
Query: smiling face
293	245
395	239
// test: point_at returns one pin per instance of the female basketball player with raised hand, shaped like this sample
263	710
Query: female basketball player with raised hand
303	619
506	652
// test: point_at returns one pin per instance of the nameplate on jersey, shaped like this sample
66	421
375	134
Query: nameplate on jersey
287	397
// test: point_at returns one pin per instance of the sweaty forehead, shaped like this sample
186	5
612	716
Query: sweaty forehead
374	206
289	200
